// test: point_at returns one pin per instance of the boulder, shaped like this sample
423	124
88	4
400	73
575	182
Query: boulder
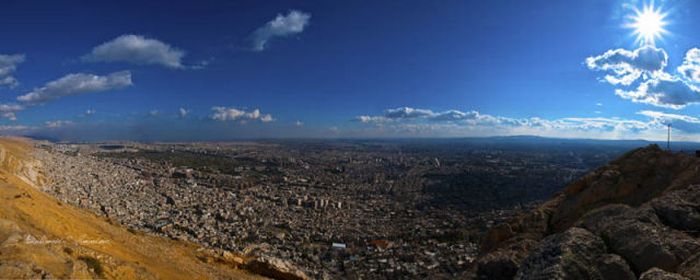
503	263
660	274
691	267
613	267
572	254
680	209
640	238
274	268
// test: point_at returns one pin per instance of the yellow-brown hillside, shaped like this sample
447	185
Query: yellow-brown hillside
39	236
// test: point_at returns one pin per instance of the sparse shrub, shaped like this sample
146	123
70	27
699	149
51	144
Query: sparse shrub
93	264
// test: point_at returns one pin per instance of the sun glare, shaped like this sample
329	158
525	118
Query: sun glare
648	24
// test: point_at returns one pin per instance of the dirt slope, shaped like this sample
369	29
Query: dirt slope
42	238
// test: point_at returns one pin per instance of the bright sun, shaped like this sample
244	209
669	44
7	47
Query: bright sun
648	24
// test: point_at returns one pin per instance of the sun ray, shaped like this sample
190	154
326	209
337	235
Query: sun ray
648	24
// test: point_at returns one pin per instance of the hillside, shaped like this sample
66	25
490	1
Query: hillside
636	218
43	238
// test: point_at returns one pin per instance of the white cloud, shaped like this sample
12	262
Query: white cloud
282	26
298	123
372	119
89	112
597	124
266	118
455	115
667	117
58	124
690	69
683	123
233	114
154	113
225	114
183	112
8	111
8	65
16	129
643	68
137	49
407	113
663	91
628	66
75	84
474	123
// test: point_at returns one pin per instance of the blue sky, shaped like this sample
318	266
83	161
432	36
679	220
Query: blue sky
217	70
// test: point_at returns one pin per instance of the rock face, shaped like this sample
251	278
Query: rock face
659	274
639	216
504	262
633	179
639	236
568	255
613	267
274	268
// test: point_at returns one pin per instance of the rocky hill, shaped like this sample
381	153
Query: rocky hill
638	217
41	238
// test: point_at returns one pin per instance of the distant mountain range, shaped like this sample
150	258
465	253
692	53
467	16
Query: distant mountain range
492	141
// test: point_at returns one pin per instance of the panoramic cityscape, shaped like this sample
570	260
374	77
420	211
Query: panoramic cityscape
336	209
350	140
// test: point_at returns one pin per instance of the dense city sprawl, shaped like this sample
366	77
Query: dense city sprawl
351	209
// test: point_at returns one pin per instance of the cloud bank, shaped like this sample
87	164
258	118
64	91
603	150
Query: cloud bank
281	26
408	113
473	123
641	77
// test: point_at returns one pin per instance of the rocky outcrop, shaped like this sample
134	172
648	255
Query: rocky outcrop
659	274
633	179
640	238
274	268
568	255
691	267
15	161
612	267
504	262
679	209
637	216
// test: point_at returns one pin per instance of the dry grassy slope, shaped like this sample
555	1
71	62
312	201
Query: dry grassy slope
40	236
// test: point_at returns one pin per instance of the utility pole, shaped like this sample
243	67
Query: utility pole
668	141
